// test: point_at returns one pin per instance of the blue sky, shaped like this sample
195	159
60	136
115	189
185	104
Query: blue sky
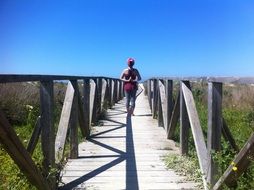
95	37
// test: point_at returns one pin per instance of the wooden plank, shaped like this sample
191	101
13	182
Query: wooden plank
149	93
86	106
184	121
155	92
80	110
230	80
64	123
103	92
125	158
121	90
118	91
152	95
73	124
92	98
47	126
169	102
175	117
162	105
5	78
99	96
109	92
160	111
35	136
228	136
241	162
115	91
214	128
197	133
112	92
19	154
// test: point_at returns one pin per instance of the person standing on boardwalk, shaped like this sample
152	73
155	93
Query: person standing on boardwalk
130	76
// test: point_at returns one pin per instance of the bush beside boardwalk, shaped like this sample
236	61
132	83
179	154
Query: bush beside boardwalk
238	112
20	103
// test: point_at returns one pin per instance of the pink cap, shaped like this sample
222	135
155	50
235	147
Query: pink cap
130	61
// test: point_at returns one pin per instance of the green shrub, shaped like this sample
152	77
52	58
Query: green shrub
239	116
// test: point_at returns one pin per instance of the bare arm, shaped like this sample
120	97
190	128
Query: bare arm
123	78
138	77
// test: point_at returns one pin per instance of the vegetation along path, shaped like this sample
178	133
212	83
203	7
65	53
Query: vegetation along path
124	153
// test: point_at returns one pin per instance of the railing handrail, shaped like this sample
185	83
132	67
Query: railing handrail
160	90
230	80
7	78
96	91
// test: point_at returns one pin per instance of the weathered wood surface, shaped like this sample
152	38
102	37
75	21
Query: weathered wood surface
228	136
197	133
73	125
214	128
229	80
184	122
103	92
4	78
47	125
125	153
175	117
64	123
86	106
35	136
92	97
242	160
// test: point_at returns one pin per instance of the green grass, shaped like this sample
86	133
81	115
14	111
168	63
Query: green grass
10	176
240	121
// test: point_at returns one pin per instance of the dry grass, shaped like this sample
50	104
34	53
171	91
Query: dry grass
15	98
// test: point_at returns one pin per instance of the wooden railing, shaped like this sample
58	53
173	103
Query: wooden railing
169	111
76	111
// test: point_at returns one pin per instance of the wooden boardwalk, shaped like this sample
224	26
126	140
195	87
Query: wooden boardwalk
124	153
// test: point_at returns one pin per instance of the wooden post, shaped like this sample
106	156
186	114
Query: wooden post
115	92
35	136
99	95
228	136
80	110
47	126
169	102
149	93
214	127
184	121
86	106
152	94
174	118
110	92
196	129
64	123
160	101
155	92
121	89
103	94
73	124
92	102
